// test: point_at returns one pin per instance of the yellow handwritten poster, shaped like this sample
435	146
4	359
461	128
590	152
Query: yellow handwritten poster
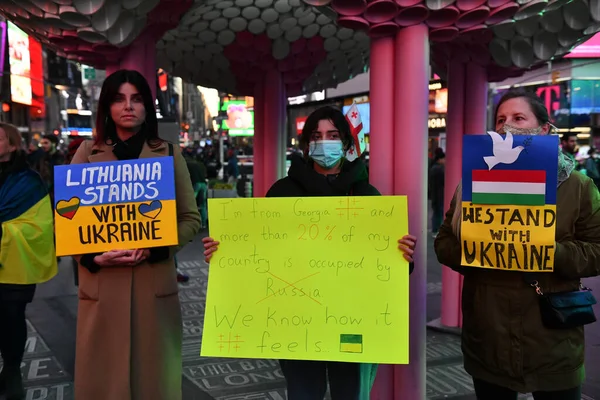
115	206
513	238
312	278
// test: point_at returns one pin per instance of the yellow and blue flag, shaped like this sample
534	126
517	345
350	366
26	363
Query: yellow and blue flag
27	253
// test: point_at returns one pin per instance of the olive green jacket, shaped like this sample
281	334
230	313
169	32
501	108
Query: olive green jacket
503	339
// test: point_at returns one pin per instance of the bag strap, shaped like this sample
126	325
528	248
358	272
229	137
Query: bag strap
531	278
170	149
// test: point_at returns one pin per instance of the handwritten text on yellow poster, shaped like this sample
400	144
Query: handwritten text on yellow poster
513	238
316	278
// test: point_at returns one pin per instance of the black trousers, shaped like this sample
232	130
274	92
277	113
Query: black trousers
307	380
13	333
489	391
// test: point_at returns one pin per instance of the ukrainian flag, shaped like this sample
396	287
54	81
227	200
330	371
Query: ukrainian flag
351	343
27	254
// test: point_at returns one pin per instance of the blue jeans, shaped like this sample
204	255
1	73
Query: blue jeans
307	380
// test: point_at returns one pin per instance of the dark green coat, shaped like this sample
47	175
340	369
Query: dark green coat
503	339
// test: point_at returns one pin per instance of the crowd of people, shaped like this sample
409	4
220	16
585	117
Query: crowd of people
129	327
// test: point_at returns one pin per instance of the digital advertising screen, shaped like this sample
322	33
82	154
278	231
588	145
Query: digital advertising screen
588	49
20	65
240	120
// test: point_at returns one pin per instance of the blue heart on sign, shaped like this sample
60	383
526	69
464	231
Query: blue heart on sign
150	210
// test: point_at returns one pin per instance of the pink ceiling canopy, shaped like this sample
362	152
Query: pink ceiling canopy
315	44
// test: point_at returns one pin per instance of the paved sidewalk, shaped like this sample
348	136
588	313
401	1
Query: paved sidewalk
50	353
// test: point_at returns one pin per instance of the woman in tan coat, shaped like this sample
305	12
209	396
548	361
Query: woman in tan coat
129	320
506	346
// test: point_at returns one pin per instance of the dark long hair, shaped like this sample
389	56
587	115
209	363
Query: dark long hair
332	114
105	126
537	106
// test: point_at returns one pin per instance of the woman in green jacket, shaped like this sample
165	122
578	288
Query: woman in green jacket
506	347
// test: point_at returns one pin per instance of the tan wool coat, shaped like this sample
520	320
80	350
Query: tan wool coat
129	320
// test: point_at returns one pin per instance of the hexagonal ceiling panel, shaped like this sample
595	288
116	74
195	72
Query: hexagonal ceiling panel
315	44
230	44
505	36
93	31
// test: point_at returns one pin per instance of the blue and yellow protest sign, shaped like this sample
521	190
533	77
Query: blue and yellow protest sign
115	205
508	216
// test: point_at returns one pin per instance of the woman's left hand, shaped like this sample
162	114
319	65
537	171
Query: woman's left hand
407	246
141	255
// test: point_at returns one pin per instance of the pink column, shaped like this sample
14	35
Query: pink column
274	91
258	141
141	56
476	96
451	281
381	151
112	68
410	163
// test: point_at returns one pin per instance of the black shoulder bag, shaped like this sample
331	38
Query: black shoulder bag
564	310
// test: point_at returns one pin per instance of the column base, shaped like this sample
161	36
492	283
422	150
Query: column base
436	325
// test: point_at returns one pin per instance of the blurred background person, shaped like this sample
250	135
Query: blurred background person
436	188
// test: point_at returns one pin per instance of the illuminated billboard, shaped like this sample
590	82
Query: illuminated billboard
20	65
240	120
588	49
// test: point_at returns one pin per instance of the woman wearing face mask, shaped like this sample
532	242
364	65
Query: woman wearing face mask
506	346
323	171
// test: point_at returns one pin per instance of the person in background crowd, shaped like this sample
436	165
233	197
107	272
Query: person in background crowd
72	149
568	143
507	348
34	154
213	165
129	327
323	171
198	175
51	158
233	169
436	184
28	256
591	166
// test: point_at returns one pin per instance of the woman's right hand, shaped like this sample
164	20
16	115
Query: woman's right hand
117	258
210	246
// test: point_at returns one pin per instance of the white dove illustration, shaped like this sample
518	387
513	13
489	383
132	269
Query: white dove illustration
504	153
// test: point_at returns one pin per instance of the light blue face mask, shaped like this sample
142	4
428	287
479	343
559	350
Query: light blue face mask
326	153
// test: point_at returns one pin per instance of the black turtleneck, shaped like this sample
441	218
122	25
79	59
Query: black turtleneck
131	148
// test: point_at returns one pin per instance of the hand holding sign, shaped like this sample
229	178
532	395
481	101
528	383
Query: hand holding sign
210	246
116	258
407	246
